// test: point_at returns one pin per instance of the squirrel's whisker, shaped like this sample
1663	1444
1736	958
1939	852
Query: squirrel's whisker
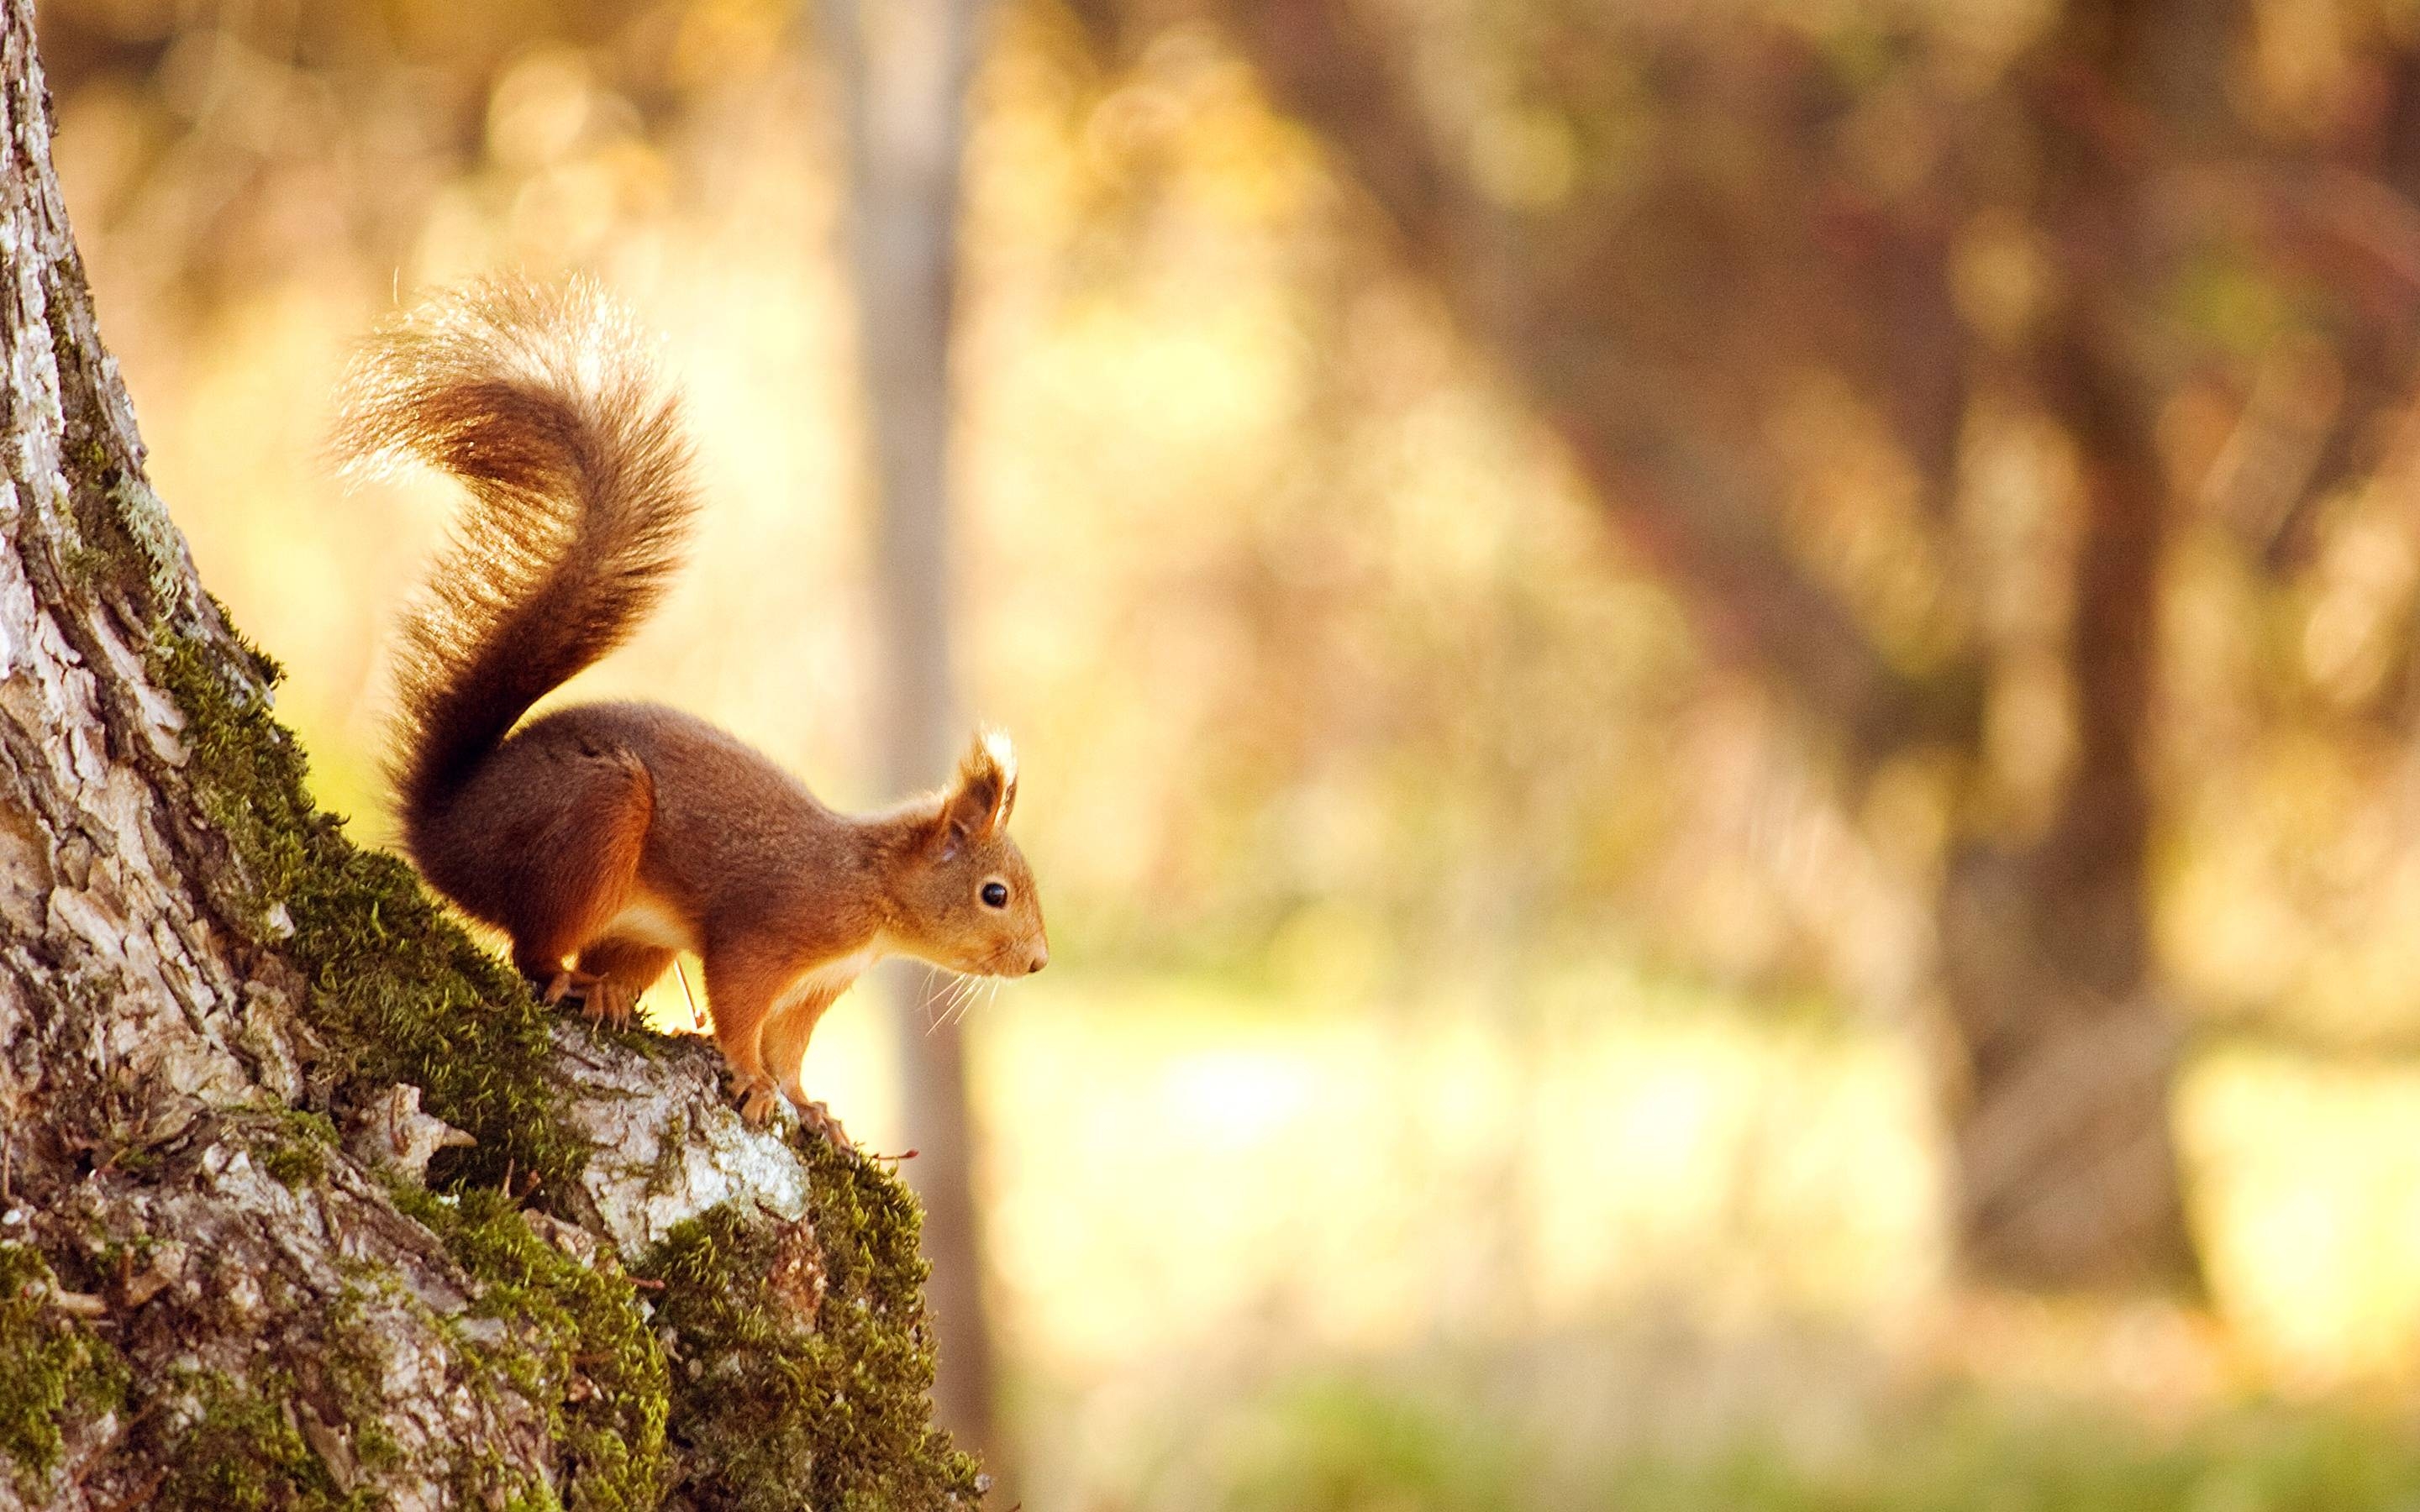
939	993
944	1003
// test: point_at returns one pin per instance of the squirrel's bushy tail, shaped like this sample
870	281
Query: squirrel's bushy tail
544	401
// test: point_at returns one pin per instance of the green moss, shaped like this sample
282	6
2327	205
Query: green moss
579	1347
295	1145
782	1397
405	995
142	520
397	991
124	537
295	1165
670	1148
55	1366
245	1453
354	1368
482	1480
770	1410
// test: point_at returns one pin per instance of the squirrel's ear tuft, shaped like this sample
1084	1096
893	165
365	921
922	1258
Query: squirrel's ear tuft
980	803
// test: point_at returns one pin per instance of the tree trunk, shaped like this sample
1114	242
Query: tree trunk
231	1044
2065	1154
902	67
2064	1160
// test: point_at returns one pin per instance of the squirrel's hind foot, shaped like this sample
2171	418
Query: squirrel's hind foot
602	999
611	1001
820	1118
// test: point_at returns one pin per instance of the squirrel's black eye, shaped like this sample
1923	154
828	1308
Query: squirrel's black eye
995	894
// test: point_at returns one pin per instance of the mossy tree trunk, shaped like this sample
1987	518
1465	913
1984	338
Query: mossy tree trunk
231	1275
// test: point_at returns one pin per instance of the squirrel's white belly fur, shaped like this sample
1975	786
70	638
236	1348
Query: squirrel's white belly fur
648	921
832	978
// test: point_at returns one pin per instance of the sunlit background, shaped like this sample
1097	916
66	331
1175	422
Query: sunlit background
1490	1058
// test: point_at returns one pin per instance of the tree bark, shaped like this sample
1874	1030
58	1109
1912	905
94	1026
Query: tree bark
232	1044
903	68
2064	1158
2066	1162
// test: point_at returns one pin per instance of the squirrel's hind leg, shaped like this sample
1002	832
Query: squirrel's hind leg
580	866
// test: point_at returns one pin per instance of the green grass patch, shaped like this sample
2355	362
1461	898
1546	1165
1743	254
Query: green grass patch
1345	1444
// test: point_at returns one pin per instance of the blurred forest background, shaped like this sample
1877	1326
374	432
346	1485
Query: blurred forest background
1717	695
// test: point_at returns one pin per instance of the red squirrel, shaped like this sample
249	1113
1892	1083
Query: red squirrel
605	838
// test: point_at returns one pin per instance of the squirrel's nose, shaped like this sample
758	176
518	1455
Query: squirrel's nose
1040	959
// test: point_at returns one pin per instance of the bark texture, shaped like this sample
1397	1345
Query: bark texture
303	1202
2065	1151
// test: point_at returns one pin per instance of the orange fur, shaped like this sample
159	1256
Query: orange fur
604	837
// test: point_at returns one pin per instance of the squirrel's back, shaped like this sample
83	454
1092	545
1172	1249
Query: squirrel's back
543	400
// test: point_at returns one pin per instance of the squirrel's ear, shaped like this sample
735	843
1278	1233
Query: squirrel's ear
979	805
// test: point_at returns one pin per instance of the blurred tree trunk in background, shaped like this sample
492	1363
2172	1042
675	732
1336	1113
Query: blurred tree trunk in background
2065	1156
903	68
231	1044
1656	325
